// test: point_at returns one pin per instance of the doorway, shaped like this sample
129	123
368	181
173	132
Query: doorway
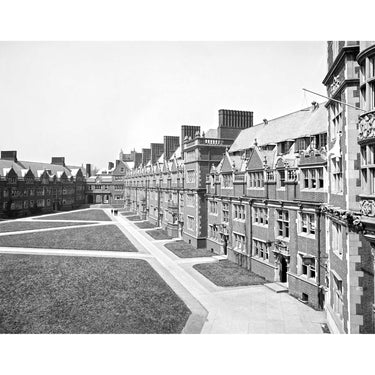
225	245
283	270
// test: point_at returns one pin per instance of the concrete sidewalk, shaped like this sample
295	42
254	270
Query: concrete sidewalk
253	309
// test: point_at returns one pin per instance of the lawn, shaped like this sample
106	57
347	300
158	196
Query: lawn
94	214
134	218
226	273
128	213
159	234
98	237
145	225
17	226
184	250
55	294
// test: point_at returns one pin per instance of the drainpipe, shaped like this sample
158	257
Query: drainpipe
318	278
158	190
251	232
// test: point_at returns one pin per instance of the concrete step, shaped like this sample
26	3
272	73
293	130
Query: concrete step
277	287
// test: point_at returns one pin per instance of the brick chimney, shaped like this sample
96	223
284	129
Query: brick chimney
88	170
9	155
58	160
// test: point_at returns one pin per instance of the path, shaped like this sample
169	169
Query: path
253	309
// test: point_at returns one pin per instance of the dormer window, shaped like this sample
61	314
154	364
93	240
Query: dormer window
284	147
302	144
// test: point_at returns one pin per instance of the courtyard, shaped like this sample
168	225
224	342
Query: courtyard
88	271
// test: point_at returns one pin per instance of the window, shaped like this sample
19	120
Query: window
191	223
255	180
301	144
336	119
337	295
337	175
336	239
119	187
239	242
307	223
318	141
225	212
260	249
281	174
213	207
307	266
227	180
284	147
270	175
260	215
372	95
239	211
282	223
312	178
213	232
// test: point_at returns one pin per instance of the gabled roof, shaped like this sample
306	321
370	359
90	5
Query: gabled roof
303	123
37	166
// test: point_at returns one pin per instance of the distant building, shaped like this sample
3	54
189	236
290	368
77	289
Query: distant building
34	188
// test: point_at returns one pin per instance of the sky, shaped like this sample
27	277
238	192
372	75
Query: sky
88	100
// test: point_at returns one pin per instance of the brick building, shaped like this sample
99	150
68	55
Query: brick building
291	199
264	201
34	188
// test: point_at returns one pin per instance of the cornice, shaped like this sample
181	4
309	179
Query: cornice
345	50
365	52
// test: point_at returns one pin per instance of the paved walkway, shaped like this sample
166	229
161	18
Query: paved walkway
253	309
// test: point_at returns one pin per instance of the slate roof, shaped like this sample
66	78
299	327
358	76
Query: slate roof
302	123
21	167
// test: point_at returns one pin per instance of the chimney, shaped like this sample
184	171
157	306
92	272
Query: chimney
9	155
110	165
171	144
117	162
88	170
58	160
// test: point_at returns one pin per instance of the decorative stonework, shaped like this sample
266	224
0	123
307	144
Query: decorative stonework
334	85
368	207
366	127
282	248
352	220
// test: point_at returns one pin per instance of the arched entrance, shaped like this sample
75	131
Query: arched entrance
283	270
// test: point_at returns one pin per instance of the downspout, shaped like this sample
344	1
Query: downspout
318	279
251	232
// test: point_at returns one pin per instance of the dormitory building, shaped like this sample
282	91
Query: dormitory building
291	199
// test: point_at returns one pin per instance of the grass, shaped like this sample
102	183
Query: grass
55	294
93	214
128	213
98	237
17	226
159	234
184	250
228	274
145	225
134	218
